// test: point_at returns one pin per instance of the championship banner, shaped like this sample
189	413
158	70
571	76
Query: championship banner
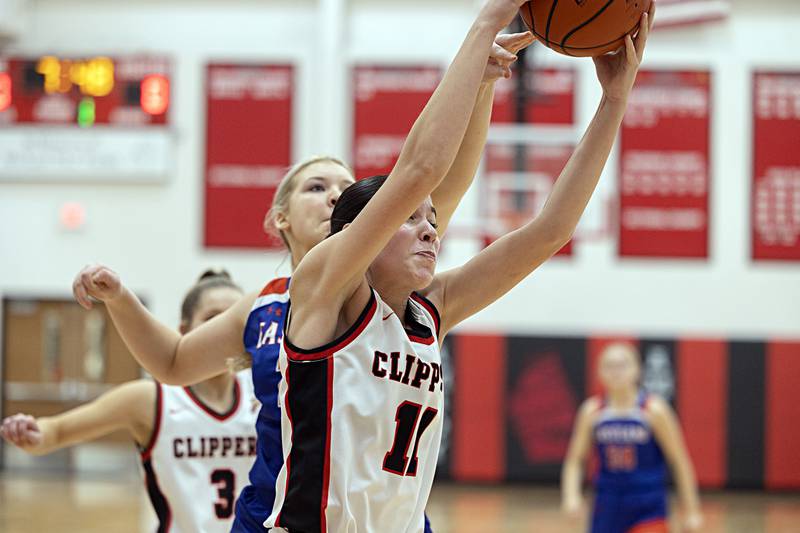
386	102
664	166
776	166
248	150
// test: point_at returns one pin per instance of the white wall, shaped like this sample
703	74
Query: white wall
152	234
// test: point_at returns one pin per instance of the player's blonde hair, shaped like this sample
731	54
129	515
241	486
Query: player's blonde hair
280	203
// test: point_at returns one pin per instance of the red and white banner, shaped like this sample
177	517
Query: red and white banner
776	166
387	100
664	166
248	149
551	98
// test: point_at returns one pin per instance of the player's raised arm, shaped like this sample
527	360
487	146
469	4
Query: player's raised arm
171	358
330	273
497	269
459	177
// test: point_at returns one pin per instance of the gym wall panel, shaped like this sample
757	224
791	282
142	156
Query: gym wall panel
515	398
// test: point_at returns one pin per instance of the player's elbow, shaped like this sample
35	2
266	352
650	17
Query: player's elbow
424	169
555	234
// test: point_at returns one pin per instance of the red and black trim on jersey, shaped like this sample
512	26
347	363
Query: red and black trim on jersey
147	450
430	308
308	403
415	330
157	498
296	354
220	417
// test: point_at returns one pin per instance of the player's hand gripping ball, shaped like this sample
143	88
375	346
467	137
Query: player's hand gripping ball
583	28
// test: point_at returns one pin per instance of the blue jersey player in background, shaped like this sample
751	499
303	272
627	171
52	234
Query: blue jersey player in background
300	214
635	436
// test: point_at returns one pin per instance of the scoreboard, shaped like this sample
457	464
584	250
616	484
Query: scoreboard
85	92
94	117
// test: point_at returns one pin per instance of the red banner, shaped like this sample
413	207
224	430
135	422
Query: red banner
664	157
248	149
776	166
387	101
550	98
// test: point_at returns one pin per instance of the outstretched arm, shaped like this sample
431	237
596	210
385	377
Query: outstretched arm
170	357
448	194
466	290
130	406
331	273
670	438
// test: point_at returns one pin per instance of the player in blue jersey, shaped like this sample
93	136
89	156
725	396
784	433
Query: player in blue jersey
636	436
300	215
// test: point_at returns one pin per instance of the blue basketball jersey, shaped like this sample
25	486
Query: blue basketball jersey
627	449
263	334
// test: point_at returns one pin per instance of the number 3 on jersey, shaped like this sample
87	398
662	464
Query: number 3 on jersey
225	481
397	460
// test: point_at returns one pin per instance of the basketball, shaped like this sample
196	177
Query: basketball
583	27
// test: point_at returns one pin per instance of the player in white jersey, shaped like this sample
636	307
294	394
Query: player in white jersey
196	443
300	214
362	406
197	460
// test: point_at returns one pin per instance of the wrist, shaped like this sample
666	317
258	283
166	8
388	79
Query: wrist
120	298
616	99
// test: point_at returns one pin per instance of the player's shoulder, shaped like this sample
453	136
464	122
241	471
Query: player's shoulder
136	391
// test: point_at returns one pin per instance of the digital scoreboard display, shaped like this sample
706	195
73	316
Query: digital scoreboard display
84	91
90	118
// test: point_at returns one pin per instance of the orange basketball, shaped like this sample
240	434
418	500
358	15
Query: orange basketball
583	27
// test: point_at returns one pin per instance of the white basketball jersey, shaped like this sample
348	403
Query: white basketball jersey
361	424
198	460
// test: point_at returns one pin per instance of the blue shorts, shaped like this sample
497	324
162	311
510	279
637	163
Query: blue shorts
629	511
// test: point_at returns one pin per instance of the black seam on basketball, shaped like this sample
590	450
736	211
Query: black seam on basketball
533	18
586	23
585	47
603	44
550	20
